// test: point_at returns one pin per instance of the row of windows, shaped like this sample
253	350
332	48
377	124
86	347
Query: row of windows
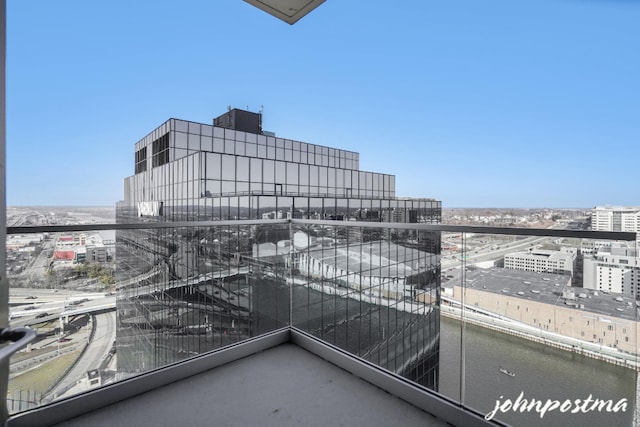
212	188
253	207
255	175
425	207
141	160
199	137
245	169
153	135
192	190
188	190
520	262
218	145
160	151
204	130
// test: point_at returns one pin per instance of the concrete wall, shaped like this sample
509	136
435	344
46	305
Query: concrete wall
580	324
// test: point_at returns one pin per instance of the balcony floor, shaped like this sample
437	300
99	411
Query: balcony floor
282	386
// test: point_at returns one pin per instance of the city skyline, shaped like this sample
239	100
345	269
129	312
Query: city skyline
512	105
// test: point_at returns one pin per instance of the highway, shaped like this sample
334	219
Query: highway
31	307
50	304
96	352
195	281
39	266
488	254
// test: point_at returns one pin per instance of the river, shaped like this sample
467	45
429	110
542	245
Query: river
541	373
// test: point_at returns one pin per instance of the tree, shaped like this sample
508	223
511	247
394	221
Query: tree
107	279
81	269
95	271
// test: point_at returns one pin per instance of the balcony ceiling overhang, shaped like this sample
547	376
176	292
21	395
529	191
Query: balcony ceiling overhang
290	11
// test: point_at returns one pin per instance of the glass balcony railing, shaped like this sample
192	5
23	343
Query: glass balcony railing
541	328
496	320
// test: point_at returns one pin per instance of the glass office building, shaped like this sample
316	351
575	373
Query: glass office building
184	290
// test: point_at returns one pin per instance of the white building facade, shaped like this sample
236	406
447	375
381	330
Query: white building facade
613	273
543	261
614	268
615	218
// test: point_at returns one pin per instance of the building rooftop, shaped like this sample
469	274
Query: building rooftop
549	288
376	259
542	254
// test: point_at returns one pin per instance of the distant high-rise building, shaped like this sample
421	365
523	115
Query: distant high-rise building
615	218
613	268
174	298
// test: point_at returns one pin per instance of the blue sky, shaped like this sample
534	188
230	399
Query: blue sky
478	103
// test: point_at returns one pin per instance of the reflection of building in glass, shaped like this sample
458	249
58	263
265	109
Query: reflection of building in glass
80	248
183	291
376	269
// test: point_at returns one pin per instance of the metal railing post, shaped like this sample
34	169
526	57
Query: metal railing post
290	273
463	273
4	283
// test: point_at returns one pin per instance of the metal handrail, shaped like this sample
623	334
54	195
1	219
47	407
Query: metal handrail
19	337
512	231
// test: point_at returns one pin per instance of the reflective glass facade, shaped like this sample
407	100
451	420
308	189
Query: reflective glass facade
223	173
184	291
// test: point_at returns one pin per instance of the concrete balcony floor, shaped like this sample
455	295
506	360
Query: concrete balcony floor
285	378
282	386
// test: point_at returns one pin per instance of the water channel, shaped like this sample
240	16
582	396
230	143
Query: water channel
539	372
